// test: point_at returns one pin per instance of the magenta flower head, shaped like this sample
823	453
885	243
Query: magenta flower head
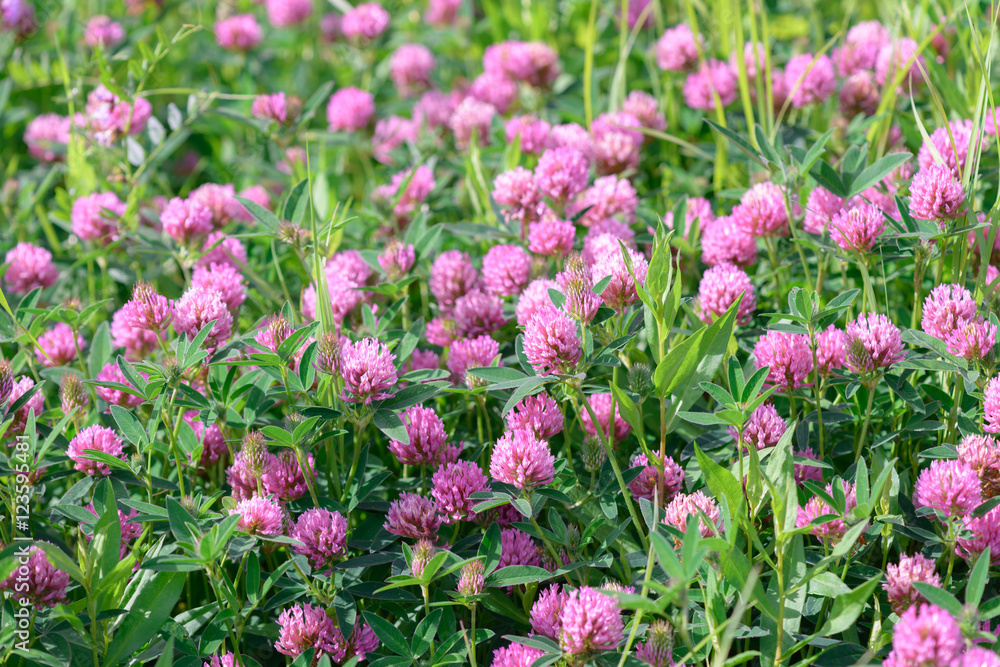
860	94
764	428
306	626
238	33
652	481
926	635
949	486
816	507
29	267
720	286
506	270
478	313
857	228
601	405
35	404
551	237
224	279
410	67
97	216
270	107
286	13
935	194
530	131
562	173
365	22
516	191
546	610
552	342
349	110
620	292
991	406
644	106
677	49
471	353
714	79
726	240
761	211
591	622
521	459
972	339
985	532
982	454
617	142
196	308
896	57
274	331
323	535
496	90
426	437
47	136
693	505
810	79
516	655
945	309
950	144
421	184
185	219
539	414
534	298
899	580
472	118
42	585
442	12
831	349
260	516
575	282
787	356
980	657
108	118
148	310
283	478
368	371
452	276
453	484
102	31
413	516
861	47
396	259
873	342
391	133
608	197
58	346
100	438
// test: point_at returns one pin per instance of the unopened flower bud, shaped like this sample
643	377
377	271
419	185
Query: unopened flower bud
328	354
593	453
640	379
472	580
421	556
254	449
72	394
6	381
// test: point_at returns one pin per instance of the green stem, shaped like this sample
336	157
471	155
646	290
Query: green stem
609	450
864	427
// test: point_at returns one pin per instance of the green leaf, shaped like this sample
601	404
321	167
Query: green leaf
676	372
876	172
129	426
847	608
977	579
425	632
390	636
940	597
720	481
491	548
627	407
740	142
389	423
513	575
261	214
148	608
